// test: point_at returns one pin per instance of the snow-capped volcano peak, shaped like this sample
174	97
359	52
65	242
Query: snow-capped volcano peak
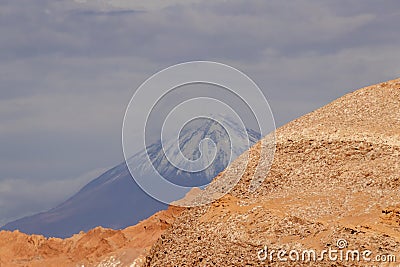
203	148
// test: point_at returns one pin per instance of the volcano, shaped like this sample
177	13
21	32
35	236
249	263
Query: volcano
114	200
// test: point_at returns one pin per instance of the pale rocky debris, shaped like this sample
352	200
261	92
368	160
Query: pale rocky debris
335	175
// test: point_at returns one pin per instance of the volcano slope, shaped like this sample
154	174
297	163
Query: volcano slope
335	177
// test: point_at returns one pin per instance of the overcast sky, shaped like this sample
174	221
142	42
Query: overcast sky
69	68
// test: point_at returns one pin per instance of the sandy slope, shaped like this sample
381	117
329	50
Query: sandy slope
335	175
98	247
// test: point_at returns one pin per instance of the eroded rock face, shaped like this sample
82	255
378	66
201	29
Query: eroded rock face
334	184
98	247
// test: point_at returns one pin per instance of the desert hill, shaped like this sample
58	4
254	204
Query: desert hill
334	184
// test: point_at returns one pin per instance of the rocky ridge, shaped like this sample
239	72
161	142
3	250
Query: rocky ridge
98	247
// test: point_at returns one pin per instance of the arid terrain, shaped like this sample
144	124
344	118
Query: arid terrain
335	177
98	247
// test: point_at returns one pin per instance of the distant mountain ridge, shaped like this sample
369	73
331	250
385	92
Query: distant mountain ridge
114	200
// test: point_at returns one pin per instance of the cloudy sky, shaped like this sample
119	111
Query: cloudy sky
69	68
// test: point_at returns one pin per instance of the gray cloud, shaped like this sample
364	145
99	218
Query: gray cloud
28	196
68	70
